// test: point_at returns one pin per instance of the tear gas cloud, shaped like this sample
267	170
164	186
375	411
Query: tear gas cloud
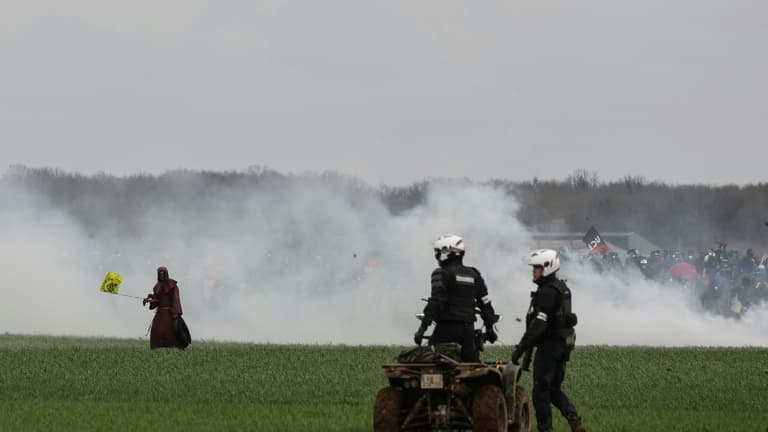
303	259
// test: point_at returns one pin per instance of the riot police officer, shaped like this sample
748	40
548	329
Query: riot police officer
550	329
456	291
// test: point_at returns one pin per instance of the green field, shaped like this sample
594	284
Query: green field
106	384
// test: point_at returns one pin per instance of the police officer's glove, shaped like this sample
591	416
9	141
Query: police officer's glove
527	361
490	335
148	299
419	336
516	356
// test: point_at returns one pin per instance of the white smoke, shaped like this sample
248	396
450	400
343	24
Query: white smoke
633	311
311	261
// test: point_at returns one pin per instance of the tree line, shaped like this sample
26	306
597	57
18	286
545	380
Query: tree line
673	216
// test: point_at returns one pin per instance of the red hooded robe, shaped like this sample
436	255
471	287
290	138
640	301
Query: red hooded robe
168	306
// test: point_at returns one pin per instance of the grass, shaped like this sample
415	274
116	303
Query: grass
104	384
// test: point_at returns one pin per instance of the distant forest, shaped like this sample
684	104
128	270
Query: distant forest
669	215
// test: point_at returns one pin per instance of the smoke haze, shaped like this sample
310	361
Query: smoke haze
311	259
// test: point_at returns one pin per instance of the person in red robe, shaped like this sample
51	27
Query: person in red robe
167	302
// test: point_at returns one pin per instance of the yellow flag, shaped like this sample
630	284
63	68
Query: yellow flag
111	283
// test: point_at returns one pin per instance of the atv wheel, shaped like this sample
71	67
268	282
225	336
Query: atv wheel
386	411
489	410
522	420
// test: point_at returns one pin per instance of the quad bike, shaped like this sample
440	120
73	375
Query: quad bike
429	388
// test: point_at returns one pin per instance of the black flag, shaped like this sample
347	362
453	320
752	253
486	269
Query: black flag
594	242
183	337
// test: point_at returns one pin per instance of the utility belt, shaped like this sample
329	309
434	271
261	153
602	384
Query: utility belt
455	318
454	313
567	335
466	324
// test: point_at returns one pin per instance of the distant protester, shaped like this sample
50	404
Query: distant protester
166	301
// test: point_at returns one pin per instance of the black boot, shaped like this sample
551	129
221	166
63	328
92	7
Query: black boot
574	421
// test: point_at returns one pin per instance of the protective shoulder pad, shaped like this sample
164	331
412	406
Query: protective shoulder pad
561	287
475	271
438	277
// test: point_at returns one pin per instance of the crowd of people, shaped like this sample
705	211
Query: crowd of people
726	281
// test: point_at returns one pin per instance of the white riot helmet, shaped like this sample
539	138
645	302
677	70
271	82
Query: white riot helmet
548	259
448	246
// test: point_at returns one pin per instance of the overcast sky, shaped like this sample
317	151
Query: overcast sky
390	91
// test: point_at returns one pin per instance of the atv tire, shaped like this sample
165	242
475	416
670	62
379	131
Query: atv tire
489	410
386	411
522	420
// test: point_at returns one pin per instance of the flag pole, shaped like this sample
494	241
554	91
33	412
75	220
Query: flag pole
126	295
112	283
